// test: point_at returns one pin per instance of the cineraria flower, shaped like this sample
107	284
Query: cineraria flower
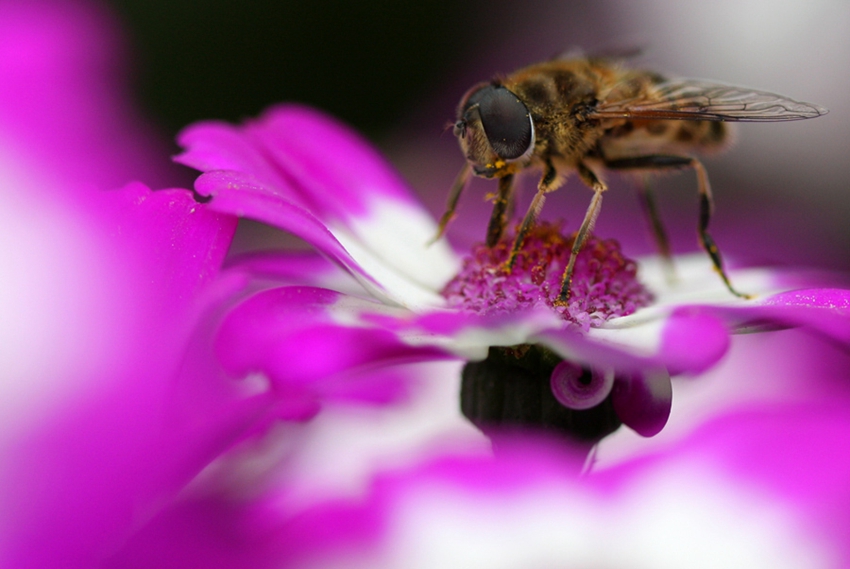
119	425
385	297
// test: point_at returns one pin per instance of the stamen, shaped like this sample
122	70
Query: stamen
604	284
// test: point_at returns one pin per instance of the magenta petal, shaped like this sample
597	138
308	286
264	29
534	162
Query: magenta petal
834	300
109	449
823	311
577	347
328	168
65	101
183	241
301	171
342	186
643	402
295	268
290	334
796	450
216	146
237	194
693	340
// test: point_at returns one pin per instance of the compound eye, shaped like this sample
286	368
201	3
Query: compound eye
506	122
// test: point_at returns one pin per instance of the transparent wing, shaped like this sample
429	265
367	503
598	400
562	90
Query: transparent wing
692	99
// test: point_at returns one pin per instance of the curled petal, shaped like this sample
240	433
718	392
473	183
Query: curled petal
643	402
577	388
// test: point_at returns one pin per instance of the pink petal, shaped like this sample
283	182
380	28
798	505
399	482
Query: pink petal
312	163
65	101
328	168
643	402
238	194
824	312
74	482
295	267
692	341
291	335
773	474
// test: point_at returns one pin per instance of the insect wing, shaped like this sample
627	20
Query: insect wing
691	99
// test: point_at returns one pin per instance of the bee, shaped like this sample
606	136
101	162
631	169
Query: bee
586	115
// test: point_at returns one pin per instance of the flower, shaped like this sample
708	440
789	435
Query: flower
315	327
124	443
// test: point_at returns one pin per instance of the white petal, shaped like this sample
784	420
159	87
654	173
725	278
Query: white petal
392	243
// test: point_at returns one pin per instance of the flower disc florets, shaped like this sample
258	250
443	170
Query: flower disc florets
604	283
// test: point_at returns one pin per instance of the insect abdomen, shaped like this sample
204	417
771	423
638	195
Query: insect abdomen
644	137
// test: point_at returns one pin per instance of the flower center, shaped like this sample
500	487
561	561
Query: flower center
604	283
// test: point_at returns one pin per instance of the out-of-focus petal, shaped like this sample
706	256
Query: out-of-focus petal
643	401
65	101
308	343
84	464
692	341
754	489
644	349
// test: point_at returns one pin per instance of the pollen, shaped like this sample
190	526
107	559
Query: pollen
604	284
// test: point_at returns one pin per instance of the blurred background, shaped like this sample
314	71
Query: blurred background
395	71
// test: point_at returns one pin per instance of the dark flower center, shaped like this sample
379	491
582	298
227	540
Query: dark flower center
604	283
523	388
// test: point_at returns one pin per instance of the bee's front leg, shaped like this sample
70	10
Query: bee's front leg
498	219
598	187
457	189
547	184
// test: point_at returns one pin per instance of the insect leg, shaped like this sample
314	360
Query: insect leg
451	205
646	195
706	208
498	219
706	204
598	187
550	175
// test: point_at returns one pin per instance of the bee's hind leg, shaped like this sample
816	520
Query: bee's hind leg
706	204
646	195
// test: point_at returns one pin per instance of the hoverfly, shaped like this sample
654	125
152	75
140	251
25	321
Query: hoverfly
585	115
